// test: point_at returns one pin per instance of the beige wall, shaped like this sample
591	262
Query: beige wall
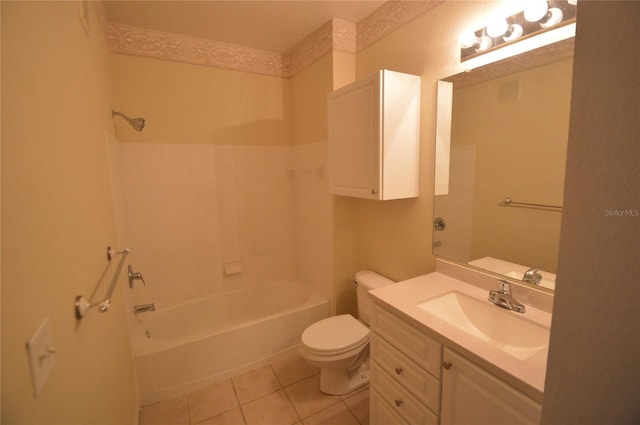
309	90
58	218
593	369
394	237
312	202
193	104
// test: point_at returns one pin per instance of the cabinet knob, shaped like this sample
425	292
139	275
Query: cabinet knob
398	402
399	370
373	191
447	365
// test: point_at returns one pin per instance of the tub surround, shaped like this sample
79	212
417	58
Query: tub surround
402	299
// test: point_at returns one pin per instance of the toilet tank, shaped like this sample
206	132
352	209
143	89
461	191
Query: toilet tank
366	281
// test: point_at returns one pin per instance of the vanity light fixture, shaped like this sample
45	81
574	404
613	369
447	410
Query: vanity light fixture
538	16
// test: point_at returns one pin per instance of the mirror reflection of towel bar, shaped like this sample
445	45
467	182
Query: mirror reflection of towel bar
507	202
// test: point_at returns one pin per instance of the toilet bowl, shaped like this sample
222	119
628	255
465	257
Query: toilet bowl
339	345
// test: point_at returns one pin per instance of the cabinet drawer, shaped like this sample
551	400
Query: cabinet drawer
417	346
400	400
380	413
406	372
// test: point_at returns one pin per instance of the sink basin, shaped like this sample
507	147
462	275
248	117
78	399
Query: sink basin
506	330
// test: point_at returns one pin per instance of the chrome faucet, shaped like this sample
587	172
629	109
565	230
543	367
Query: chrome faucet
141	308
134	276
532	275
503	298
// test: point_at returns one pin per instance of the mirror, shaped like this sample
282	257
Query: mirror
500	176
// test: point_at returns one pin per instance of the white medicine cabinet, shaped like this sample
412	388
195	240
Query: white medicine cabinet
374	126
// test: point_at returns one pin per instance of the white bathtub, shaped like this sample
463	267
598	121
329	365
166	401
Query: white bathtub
187	346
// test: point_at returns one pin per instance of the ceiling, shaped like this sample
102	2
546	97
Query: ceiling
272	25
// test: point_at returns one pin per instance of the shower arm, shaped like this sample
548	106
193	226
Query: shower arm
136	123
114	113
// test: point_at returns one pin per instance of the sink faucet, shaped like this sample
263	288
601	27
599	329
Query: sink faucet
503	298
141	308
532	275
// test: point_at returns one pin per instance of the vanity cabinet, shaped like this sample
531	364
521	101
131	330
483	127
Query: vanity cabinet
472	395
416	380
404	373
374	126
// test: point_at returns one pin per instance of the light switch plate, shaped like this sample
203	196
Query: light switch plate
42	355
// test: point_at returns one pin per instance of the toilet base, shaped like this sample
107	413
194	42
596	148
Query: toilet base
341	381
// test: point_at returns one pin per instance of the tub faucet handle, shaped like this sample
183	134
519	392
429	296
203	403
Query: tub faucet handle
135	276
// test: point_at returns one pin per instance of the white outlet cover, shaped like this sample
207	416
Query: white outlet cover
42	355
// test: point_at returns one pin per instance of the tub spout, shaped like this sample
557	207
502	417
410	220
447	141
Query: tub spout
141	308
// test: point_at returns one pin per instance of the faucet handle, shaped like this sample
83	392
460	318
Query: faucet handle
532	275
505	287
134	276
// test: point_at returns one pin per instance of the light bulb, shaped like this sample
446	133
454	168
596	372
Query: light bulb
497	27
515	31
485	43
555	17
535	10
468	39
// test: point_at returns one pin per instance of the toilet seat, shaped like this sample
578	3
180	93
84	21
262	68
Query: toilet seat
335	335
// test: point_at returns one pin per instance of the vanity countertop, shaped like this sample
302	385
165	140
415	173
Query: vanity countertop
403	298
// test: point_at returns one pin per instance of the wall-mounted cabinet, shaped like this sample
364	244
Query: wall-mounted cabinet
374	127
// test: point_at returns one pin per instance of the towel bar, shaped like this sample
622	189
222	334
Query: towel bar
506	202
82	305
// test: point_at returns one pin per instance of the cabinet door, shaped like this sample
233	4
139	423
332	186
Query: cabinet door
354	139
471	395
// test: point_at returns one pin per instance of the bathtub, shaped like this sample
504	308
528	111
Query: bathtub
186	346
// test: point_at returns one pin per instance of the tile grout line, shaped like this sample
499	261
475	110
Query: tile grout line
300	417
352	413
185	400
282	387
235	392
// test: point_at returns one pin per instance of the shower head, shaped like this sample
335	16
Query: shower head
136	123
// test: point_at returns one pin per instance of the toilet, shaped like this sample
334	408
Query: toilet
339	345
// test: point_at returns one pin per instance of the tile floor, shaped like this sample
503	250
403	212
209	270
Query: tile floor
284	392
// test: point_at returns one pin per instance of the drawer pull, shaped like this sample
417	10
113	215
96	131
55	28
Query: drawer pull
447	365
398	402
399	371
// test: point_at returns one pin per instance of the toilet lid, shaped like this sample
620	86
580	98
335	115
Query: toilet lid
335	334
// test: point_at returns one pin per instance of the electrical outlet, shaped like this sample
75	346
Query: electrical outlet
42	355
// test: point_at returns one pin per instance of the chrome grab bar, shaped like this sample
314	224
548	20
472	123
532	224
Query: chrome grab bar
506	202
82	305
